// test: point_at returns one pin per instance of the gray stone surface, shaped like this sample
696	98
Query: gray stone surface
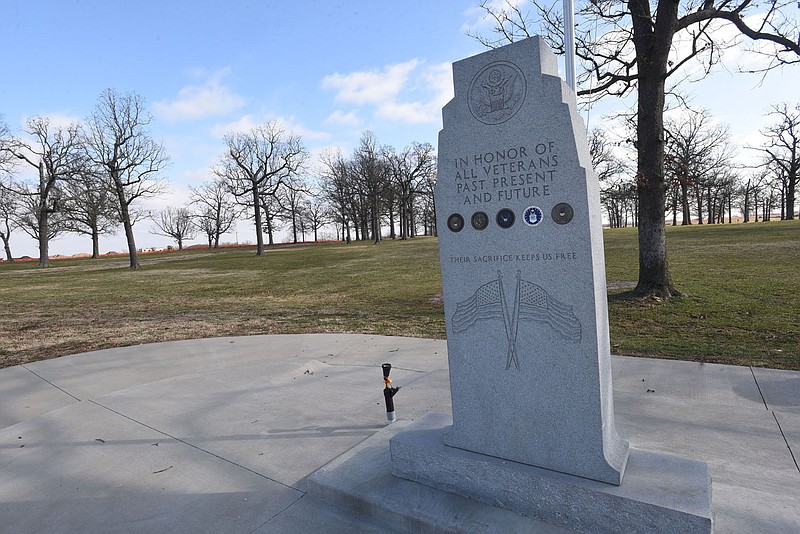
789	425
85	469
26	395
671	426
705	384
164	360
525	303
660	493
781	389
64	481
360	482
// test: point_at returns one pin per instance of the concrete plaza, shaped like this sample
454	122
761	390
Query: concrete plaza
222	435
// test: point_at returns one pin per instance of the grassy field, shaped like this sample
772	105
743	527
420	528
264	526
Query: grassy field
742	306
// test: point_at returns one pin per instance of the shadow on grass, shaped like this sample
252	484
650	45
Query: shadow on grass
634	296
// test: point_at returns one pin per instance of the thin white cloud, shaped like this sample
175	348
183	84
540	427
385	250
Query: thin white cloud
370	87
339	117
288	125
408	112
409	92
56	120
478	22
244	123
439	78
209	99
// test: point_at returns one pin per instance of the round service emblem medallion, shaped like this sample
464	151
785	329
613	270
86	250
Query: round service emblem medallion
533	216
480	220
562	213
497	92
455	222
505	218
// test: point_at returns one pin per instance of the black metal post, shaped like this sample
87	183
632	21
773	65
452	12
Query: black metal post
389	392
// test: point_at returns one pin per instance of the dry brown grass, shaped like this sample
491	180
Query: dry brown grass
742	282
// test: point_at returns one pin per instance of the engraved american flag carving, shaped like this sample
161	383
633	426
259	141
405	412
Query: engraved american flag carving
535	304
531	302
486	303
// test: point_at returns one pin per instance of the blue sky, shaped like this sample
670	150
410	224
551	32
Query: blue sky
327	70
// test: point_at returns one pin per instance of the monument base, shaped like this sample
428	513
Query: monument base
659	493
440	486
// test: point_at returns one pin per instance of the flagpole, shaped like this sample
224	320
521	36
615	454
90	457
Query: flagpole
569	43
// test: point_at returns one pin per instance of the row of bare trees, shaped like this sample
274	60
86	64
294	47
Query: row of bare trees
88	175
705	183
379	185
266	174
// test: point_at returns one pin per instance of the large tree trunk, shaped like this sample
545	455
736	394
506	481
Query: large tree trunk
95	243
257	214
7	247
376	227
270	231
392	233
44	244
687	213
755	205
654	276
652	49
698	195
132	252
126	223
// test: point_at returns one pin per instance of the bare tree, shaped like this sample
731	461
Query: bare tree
615	183
55	153
337	190
7	159
118	142
89	208
606	163
291	199
9	216
640	44
371	172
257	164
29	218
9	203
216	213
408	169
781	150
698	154
317	214
427	206
175	223
748	192
271	210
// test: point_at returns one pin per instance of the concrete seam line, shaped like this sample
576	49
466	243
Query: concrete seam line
791	452
259	527
759	388
52	384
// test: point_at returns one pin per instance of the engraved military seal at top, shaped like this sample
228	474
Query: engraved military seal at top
497	92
